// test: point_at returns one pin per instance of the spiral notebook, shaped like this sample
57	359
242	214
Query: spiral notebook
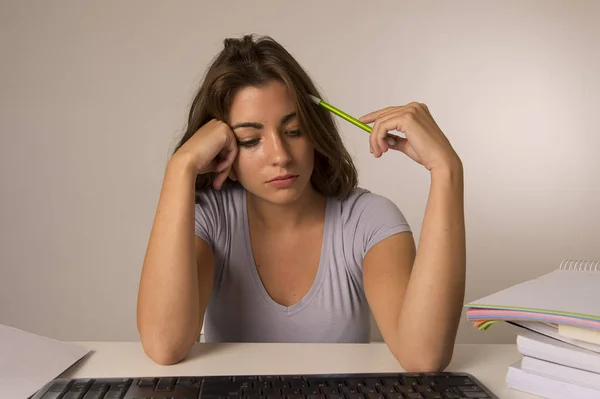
569	295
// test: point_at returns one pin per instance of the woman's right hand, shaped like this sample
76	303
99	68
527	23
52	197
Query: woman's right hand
212	148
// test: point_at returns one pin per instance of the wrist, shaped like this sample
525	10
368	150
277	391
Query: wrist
182	166
451	171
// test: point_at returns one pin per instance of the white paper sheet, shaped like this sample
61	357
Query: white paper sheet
28	361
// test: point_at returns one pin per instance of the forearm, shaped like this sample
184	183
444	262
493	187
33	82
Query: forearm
434	296
168	305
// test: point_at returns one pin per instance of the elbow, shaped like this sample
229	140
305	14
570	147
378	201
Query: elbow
164	355
163	349
424	361
424	365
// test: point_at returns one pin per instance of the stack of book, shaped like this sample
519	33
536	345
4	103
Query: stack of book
557	316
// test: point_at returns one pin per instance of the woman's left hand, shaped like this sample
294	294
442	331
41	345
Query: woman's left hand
425	142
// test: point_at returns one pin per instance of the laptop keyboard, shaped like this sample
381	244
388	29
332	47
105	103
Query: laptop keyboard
448	385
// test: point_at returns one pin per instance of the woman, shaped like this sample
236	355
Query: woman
262	234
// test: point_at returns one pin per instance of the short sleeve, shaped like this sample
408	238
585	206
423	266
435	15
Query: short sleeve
372	218
207	217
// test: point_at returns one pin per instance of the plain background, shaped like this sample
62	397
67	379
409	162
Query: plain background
94	95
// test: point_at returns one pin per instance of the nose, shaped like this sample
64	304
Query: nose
277	150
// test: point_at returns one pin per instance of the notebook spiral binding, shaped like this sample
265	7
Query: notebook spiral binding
580	265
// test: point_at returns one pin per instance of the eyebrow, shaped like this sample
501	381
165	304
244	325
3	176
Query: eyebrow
255	125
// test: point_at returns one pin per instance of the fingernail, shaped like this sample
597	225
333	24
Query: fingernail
390	141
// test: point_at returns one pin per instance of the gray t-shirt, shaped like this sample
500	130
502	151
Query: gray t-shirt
335	308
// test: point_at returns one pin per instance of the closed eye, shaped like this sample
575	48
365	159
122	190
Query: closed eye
248	143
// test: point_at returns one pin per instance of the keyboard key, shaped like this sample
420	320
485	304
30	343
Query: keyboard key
187	382
60	386
80	385
52	395
475	394
291	391
391	382
165	384
460	381
147	382
290	378
386	389
298	383
422	388
278	384
355	383
320	383
271	392
99	387
348	390
310	391
366	389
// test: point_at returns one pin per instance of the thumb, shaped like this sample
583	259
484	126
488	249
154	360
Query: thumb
220	178
404	146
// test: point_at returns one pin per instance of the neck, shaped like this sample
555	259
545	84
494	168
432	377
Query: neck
310	207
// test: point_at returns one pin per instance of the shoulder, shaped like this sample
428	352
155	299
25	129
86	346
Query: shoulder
365	219
361	203
228	196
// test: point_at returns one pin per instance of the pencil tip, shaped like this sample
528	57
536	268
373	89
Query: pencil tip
315	99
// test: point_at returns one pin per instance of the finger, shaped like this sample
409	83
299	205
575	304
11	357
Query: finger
227	161
375	150
228	154
220	179
381	140
400	145
224	168
370	117
394	121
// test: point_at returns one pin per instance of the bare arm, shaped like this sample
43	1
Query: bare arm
417	300
177	273
178	269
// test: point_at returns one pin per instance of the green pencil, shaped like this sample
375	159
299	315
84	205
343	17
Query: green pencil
349	118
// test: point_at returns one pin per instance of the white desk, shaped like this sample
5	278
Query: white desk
487	363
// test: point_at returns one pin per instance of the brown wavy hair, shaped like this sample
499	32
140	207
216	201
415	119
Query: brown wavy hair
253	62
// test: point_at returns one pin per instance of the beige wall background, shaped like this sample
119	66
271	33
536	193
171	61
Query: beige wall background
93	96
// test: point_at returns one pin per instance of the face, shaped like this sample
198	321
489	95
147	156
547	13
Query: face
275	159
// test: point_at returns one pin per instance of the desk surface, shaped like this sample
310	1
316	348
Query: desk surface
488	363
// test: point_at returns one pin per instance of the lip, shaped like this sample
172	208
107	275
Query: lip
283	182
282	177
